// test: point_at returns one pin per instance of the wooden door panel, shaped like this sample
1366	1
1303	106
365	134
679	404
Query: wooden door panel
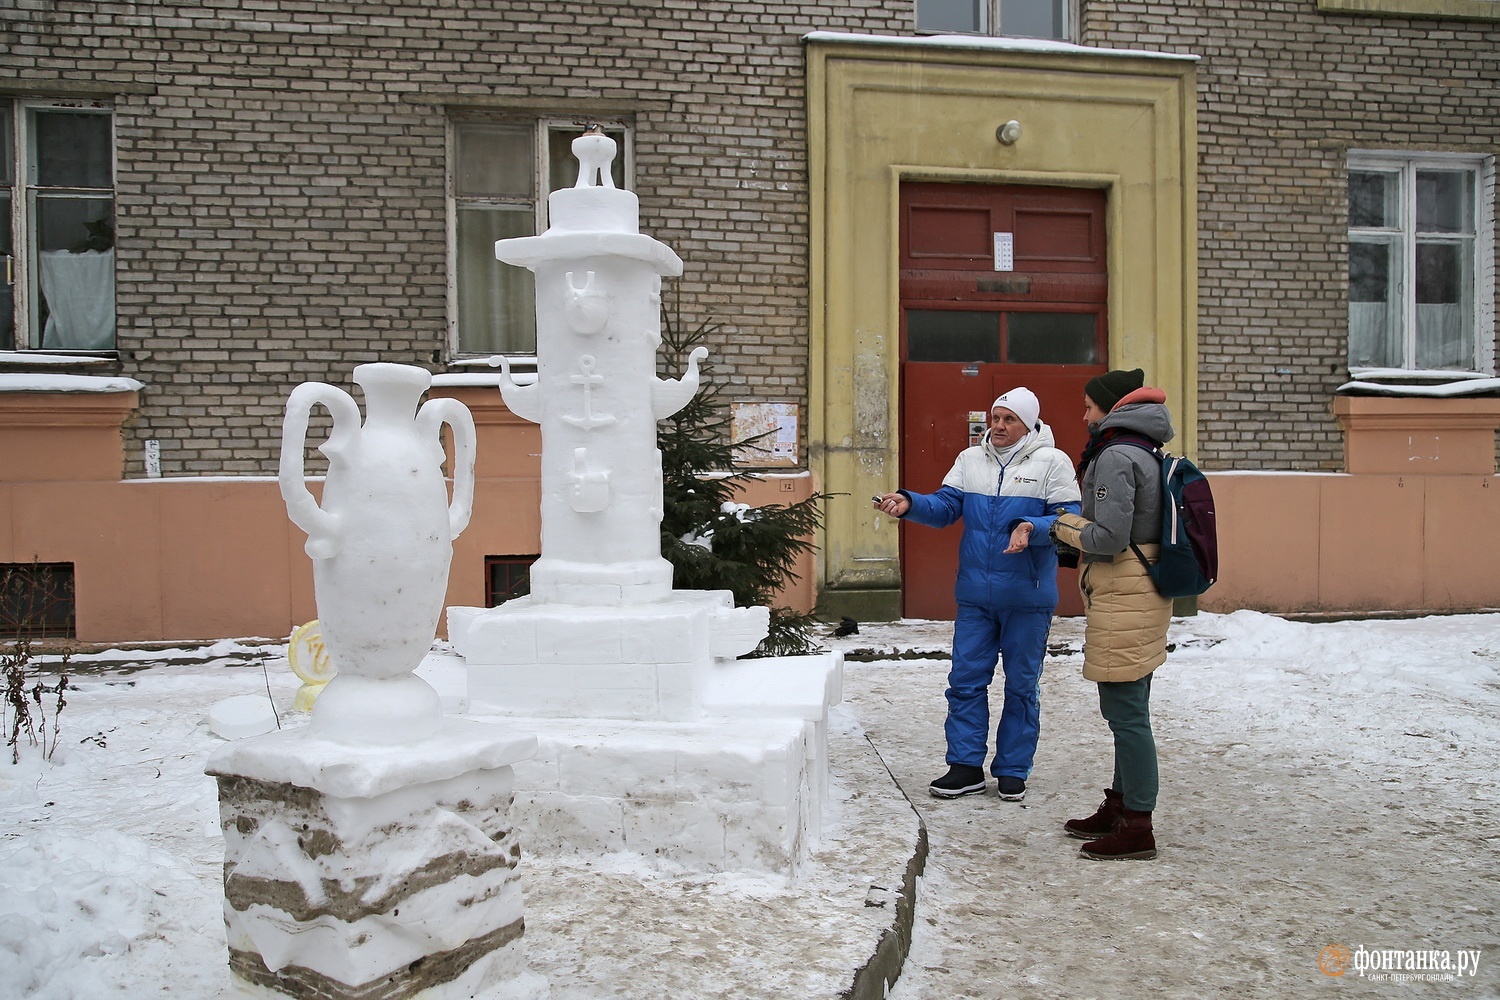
947	263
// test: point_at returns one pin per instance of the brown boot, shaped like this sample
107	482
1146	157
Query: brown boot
1132	839
1102	823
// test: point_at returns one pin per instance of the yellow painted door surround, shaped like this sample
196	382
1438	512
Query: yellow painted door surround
957	110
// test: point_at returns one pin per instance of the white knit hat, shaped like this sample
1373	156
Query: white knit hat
1023	403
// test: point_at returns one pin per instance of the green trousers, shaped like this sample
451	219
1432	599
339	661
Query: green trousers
1126	706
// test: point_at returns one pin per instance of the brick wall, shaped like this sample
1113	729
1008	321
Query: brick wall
280	183
1283	93
280	186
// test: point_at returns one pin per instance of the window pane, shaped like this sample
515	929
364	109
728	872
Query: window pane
75	307
1035	338
495	161
1373	199
950	15
562	165
71	150
496	301
74	224
1032	18
1445	335
6	138
509	578
1374	325
952	335
7	288
1445	201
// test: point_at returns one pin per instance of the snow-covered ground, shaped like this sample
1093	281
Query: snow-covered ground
1324	786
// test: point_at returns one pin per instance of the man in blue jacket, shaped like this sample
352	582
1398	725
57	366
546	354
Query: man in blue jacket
1008	489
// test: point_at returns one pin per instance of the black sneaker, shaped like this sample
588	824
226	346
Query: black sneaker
1012	789
961	779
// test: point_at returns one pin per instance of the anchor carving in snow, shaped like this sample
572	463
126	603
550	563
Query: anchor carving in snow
588	379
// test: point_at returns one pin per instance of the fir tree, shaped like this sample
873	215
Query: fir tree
712	541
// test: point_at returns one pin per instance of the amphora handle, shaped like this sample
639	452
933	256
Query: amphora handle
323	536
430	418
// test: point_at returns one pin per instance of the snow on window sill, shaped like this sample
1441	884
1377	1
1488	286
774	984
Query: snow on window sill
44	382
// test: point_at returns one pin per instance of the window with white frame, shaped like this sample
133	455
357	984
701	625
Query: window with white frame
1020	18
57	226
501	173
1421	261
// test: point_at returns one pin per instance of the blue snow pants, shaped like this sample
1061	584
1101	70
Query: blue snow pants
1017	637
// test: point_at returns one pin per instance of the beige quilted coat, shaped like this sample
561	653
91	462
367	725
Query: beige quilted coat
1125	624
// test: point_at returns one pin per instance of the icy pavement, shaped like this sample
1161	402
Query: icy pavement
1323	786
1327	785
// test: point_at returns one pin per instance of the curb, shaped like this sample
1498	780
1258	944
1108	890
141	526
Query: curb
874	979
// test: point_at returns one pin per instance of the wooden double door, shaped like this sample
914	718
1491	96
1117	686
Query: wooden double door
1001	286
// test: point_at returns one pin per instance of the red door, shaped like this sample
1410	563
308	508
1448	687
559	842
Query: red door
1001	286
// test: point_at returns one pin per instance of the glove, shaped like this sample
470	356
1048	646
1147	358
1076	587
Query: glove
1067	536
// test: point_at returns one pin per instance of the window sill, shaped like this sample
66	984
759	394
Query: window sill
48	359
1474	10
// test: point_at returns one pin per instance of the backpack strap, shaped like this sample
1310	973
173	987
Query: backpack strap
1143	442
1139	441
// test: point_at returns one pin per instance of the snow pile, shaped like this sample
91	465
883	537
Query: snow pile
69	898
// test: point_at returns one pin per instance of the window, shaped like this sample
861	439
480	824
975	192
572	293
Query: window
502	171
1022	18
36	601
57	226
1419	276
506	578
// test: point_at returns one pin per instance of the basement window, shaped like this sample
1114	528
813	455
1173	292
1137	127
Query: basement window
37	601
506	577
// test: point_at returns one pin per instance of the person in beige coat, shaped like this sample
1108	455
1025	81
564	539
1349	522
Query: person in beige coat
1125	630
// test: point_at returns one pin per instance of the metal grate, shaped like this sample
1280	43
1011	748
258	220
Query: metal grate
37	601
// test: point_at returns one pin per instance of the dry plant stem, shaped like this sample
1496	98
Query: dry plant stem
16	704
26	708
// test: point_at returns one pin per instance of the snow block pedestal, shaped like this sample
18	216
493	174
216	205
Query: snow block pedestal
641	661
374	872
652	737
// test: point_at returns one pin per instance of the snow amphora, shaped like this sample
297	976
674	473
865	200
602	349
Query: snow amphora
380	543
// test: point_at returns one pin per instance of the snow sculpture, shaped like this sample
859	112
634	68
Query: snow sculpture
664	743
380	544
597	396
371	852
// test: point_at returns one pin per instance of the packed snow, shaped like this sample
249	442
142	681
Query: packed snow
1324	786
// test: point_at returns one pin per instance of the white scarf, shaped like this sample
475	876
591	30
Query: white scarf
1004	455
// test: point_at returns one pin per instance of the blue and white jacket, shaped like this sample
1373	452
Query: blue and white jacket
992	498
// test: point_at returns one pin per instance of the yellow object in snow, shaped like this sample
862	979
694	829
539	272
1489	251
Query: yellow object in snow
309	660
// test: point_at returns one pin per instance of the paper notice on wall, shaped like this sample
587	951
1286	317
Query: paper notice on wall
764	434
1005	251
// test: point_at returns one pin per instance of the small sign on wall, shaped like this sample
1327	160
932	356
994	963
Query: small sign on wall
764	434
978	424
1005	251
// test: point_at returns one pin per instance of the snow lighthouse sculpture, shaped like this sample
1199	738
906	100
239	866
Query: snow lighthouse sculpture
597	397
652	736
602	633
